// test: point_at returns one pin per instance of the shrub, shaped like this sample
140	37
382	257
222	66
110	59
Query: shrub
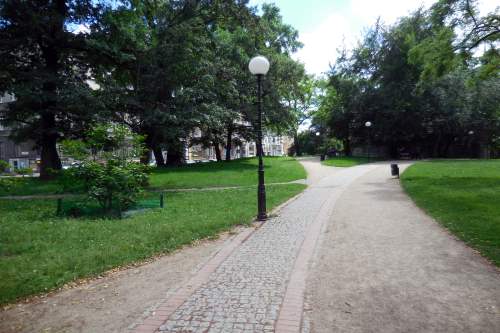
8	184
107	169
4	166
24	171
113	183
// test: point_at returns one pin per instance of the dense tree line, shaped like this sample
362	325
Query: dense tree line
429	84
163	68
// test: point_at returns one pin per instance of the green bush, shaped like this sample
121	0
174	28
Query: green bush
8	184
116	183
24	171
107	171
4	165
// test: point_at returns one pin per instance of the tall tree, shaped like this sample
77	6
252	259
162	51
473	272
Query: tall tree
419	84
46	67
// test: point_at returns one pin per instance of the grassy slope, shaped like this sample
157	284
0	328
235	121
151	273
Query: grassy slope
242	172
39	251
464	196
346	161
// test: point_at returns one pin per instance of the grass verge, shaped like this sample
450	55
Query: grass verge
346	161
241	172
40	251
463	196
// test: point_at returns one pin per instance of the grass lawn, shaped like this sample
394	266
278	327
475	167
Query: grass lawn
347	161
464	196
33	186
40	251
241	172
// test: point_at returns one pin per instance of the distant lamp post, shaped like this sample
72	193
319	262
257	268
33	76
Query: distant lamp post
321	156
470	143
259	66
368	125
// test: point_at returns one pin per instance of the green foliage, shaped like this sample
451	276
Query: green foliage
309	143
417	84
435	54
24	171
46	68
165	68
9	184
115	183
4	166
463	197
107	170
186	68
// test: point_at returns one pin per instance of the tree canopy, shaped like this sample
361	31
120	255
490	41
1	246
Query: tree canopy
163	68
422	83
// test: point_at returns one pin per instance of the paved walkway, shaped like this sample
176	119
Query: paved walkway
246	292
385	266
381	266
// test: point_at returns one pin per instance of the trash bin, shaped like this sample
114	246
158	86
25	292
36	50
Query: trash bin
322	157
395	170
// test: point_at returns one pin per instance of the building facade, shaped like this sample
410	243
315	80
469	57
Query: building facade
23	155
272	145
18	155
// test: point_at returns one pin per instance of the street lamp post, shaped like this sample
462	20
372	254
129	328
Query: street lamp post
368	125
322	155
470	143
259	66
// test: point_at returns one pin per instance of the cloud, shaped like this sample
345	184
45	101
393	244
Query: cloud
389	10
321	44
346	26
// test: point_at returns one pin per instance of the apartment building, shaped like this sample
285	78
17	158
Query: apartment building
19	155
272	145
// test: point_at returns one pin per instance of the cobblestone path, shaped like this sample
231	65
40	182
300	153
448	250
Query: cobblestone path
245	293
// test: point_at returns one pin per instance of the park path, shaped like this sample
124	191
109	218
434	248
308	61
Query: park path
258	284
383	265
354	254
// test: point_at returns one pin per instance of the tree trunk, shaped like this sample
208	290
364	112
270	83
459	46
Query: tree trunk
347	147
49	159
145	156
229	143
296	144
436	146
160	161
174	157
218	154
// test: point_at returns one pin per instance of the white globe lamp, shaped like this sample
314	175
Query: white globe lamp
259	65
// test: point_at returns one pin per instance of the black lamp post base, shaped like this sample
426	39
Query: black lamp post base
261	190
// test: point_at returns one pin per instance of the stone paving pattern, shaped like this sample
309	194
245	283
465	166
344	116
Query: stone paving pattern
245	293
